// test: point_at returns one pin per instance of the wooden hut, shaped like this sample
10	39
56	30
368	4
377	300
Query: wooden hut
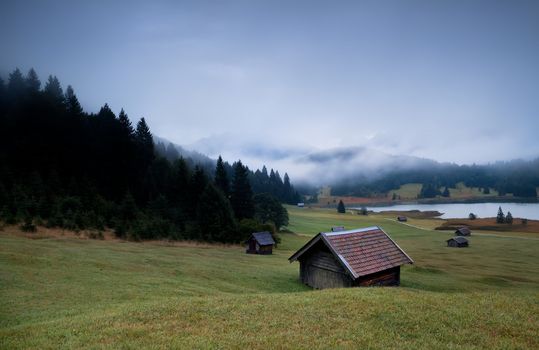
260	243
463	231
337	228
360	257
457	242
402	218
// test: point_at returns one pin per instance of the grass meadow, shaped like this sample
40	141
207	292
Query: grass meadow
412	190
67	292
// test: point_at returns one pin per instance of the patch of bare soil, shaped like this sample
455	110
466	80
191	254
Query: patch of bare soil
491	225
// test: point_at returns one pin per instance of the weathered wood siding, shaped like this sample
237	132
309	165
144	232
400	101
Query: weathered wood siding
264	249
389	277
320	270
453	243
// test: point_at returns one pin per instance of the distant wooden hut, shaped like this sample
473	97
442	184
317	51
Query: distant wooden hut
260	243
402	218
337	228
457	242
463	231
360	257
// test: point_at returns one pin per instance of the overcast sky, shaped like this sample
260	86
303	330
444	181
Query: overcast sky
271	81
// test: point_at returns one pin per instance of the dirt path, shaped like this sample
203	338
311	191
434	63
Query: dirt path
475	233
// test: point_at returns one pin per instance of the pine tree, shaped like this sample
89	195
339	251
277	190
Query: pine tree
171	153
288	193
214	217
340	207
32	81
105	113
509	218
500	218
125	123
241	196
197	184
72	102
16	83
144	140
221	178
53	89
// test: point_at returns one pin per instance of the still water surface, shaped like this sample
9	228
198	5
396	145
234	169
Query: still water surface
462	210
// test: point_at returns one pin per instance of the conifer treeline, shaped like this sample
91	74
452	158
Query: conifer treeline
260	180
60	166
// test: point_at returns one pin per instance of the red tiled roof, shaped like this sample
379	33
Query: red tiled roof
361	251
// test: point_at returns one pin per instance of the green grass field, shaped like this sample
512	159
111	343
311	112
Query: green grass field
74	293
412	190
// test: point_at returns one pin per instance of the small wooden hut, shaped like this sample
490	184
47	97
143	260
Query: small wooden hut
402	218
457	242
463	231
360	257
260	243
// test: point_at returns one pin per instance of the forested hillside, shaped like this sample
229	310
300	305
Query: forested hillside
519	178
63	167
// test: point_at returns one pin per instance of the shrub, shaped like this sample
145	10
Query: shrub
28	225
472	216
248	226
120	229
509	218
150	228
96	234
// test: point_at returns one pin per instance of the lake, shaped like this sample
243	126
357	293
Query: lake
461	210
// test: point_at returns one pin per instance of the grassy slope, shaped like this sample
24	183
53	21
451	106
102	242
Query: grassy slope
83	293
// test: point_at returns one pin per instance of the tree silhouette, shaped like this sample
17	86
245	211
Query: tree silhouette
214	217
340	207
509	218
241	196
72	102
32	81
500	218
221	177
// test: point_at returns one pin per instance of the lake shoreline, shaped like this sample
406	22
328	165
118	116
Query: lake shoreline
497	199
460	210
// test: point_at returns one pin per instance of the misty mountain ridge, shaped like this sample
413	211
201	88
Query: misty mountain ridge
163	147
362	171
347	161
